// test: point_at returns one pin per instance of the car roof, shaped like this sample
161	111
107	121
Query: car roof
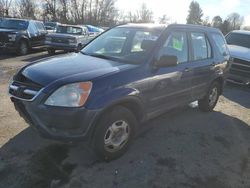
241	32
67	25
163	26
143	25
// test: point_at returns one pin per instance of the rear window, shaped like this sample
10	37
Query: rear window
69	30
220	43
238	39
14	24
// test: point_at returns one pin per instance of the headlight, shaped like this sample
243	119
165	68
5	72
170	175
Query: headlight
72	41
12	37
71	95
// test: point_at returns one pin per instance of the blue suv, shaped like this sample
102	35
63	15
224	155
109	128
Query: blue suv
126	76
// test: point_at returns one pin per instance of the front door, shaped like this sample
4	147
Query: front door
170	86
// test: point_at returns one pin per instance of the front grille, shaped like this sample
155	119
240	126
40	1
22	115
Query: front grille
60	40
3	38
24	88
240	67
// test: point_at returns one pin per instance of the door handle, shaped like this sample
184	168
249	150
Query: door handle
187	69
213	64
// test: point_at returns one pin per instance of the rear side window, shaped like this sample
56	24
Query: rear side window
220	43
201	46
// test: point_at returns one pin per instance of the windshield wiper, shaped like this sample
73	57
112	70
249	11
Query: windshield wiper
98	56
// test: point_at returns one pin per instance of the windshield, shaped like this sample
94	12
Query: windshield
14	24
126	44
50	25
69	30
238	39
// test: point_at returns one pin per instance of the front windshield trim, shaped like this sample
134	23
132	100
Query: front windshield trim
112	58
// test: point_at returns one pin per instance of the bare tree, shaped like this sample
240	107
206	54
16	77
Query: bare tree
145	14
27	9
5	6
235	20
164	19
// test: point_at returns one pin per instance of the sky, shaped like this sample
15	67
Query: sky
177	10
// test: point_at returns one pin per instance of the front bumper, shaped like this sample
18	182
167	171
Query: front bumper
8	45
60	46
58	123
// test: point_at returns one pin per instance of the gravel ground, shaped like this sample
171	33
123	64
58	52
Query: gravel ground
183	148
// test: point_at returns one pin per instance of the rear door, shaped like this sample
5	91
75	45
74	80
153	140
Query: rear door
201	64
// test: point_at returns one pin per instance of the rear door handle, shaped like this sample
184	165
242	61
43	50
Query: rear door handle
187	69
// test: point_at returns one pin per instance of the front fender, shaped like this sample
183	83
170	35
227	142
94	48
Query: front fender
116	96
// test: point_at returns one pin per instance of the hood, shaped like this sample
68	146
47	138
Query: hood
77	65
2	30
61	35
239	52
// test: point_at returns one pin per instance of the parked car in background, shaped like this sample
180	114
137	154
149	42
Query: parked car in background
67	38
94	31
239	47
126	76
21	35
51	26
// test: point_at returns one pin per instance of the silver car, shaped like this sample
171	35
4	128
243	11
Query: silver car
67	38
239	48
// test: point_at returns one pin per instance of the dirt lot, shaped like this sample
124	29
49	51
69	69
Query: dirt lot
184	148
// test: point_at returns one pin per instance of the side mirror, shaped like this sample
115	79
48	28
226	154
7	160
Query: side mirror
167	61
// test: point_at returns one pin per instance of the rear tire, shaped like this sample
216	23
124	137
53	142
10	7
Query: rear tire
23	48
51	51
79	47
210	100
114	133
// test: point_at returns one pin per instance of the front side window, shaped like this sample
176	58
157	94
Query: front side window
176	45
132	45
220	43
201	46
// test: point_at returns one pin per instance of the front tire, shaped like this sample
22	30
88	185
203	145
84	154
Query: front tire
51	51
114	133
208	103
23	48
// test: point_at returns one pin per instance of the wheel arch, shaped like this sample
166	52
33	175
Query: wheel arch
131	103
220	80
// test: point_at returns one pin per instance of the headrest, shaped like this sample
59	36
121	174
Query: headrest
147	44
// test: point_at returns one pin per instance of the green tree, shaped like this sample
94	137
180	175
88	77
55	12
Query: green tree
195	13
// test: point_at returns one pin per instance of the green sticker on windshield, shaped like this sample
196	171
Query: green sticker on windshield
177	44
